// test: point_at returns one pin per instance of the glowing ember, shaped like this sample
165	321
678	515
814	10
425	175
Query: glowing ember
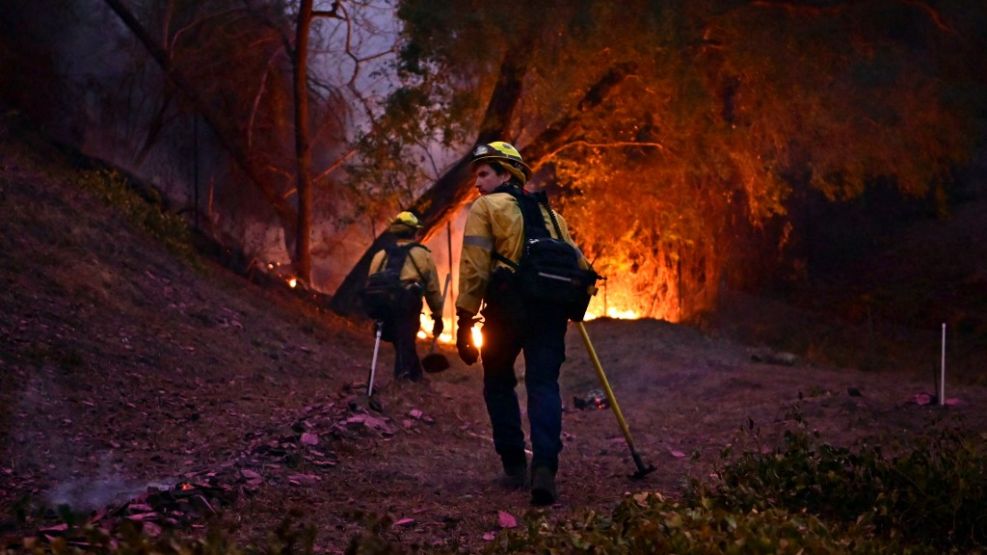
292	282
477	337
185	486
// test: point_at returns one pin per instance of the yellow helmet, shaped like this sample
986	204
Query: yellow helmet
505	155
407	219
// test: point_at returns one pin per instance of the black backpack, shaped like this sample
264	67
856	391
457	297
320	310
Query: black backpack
549	269
385	294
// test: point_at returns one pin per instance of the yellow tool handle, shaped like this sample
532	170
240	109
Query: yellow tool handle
606	386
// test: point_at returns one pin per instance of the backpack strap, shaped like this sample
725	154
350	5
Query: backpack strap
542	198
497	256
534	223
408	248
400	253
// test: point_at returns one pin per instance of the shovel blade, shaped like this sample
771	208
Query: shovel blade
435	362
642	468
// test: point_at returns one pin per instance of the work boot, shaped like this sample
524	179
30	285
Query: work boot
515	465
543	486
515	476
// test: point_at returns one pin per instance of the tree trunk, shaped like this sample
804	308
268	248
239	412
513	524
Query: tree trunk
286	214
303	150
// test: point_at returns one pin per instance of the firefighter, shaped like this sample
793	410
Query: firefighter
418	277
492	247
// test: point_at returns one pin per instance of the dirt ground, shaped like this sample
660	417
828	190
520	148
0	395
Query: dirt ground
124	368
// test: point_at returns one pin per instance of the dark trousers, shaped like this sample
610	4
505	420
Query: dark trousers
402	329
538	331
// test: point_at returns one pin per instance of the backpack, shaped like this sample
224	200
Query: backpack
385	294
549	269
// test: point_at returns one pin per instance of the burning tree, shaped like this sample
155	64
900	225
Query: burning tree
679	137
730	111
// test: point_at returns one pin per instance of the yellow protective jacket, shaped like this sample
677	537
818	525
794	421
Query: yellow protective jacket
419	260
494	224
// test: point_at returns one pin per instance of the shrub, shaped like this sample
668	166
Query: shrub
648	523
145	213
933	493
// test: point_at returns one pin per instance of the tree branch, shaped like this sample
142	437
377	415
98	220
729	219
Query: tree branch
561	131
332	12
285	212
335	165
614	144
931	12
934	14
260	93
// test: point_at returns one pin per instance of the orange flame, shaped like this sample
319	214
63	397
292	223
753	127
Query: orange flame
613	312
425	330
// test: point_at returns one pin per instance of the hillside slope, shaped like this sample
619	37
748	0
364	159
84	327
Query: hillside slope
125	366
114	348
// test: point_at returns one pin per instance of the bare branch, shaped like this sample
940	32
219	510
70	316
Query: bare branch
332	12
335	165
165	23
615	144
431	159
285	213
793	7
934	14
178	33
380	54
257	97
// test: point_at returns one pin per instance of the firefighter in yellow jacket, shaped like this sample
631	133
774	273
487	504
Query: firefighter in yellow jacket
492	247
418	277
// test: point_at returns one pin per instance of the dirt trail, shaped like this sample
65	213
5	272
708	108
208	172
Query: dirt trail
123	367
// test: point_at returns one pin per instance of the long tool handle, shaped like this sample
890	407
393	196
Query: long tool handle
373	364
452	305
606	387
445	287
445	291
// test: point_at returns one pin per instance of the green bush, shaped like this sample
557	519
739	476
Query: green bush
146	214
933	493
648	523
128	539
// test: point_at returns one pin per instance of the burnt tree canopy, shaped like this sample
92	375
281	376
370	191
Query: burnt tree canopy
731	111
678	138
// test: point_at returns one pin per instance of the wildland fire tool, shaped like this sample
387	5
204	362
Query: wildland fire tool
642	469
374	404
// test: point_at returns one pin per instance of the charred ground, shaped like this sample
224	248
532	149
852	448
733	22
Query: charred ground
126	365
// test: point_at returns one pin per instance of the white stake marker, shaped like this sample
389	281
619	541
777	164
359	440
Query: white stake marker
942	369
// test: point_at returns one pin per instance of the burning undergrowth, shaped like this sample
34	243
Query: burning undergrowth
107	505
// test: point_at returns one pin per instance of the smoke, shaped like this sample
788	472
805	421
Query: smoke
105	487
44	453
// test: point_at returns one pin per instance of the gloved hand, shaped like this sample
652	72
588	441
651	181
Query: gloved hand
464	338
438	326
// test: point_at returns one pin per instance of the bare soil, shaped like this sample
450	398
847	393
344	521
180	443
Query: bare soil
124	367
